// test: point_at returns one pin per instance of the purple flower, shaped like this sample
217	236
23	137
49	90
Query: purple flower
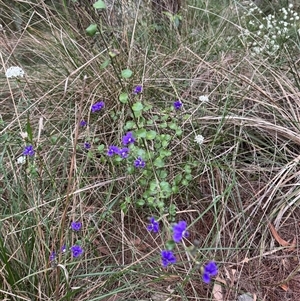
76	226
124	152
63	249
128	138
28	151
177	104
139	163
113	150
76	251
179	231
87	145
167	257
154	225
137	90
83	123
210	270
52	256
97	106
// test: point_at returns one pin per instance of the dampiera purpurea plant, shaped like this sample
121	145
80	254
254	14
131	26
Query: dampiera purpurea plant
83	123
139	163
153	226
167	258
128	139
124	152
177	104
87	145
179	231
76	250
113	150
76	226
28	151
137	90
209	270
97	106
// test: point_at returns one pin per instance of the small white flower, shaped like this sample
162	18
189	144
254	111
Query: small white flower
291	5
21	160
199	139
14	71
204	98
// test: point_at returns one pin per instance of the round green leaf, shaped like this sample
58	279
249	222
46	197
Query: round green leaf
158	162
123	97
91	30
150	135
126	73
138	106
129	125
99	4
141	133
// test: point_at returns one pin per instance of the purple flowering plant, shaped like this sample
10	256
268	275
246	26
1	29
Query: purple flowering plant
113	150
76	226
128	138
76	250
139	163
209	270
83	123
137	89
97	106
167	258
153	226
177	104
28	151
179	231
124	152
87	145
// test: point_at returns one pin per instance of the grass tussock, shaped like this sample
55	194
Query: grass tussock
191	118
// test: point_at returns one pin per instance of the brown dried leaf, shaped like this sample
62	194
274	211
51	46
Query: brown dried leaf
217	292
284	287
281	241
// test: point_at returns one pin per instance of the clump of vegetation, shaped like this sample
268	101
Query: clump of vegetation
146	157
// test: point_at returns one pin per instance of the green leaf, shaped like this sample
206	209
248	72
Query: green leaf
178	178
188	177
187	168
137	107
170	245
99	4
141	133
100	148
165	153
151	135
105	64
153	186
165	186
29	131
140	202
158	162
129	125
126	73
175	189
162	174
173	126
123	98
91	30
179	132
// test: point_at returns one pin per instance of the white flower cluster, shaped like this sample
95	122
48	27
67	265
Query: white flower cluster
199	139
14	71
204	98
267	34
